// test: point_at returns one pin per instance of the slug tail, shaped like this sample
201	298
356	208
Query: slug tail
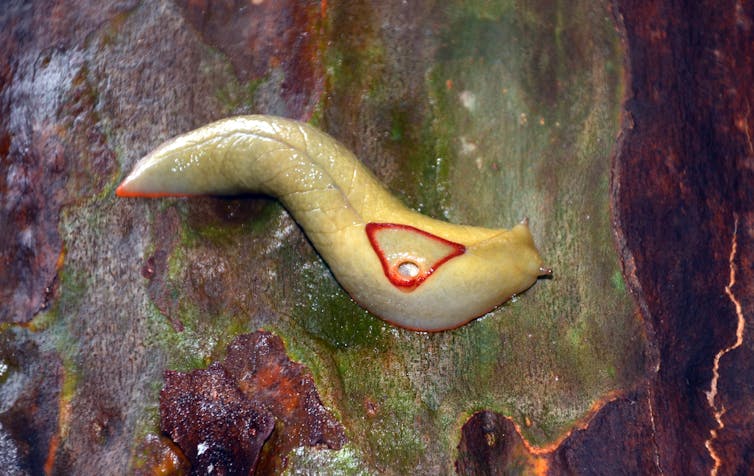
124	191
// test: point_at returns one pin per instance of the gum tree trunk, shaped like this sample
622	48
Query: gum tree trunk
622	130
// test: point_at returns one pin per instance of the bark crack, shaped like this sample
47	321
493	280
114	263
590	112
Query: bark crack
654	431
719	410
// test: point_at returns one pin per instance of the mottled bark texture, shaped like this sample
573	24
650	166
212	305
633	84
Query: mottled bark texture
100	298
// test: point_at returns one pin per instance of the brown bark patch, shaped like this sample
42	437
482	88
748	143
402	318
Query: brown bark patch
224	415
258	37
490	444
212	422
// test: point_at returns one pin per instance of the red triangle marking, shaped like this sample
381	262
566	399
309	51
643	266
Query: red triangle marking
419	267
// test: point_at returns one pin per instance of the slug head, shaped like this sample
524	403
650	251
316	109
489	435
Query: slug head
511	252
491	271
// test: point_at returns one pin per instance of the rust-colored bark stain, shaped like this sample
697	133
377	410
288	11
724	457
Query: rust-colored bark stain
258	37
52	150
222	416
159	456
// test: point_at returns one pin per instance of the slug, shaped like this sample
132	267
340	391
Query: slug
412	271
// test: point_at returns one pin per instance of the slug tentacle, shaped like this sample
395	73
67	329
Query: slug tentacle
409	269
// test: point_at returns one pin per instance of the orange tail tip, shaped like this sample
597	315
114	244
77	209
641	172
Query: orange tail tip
124	192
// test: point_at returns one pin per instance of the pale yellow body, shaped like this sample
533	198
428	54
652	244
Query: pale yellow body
333	196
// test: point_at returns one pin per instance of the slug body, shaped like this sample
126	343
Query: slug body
411	270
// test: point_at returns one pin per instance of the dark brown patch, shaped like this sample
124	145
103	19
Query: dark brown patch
147	270
213	422
232	407
490	445
105	418
371	407
258	38
620	433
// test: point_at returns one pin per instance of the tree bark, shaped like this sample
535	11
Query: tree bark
620	129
